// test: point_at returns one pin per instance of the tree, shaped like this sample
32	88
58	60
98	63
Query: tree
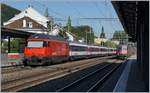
120	36
109	43
102	35
7	12
83	32
49	24
69	27
46	14
16	45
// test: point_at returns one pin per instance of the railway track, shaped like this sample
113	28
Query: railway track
11	69
25	82
92	81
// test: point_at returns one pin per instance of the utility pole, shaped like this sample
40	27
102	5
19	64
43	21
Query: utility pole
90	29
51	23
86	37
69	24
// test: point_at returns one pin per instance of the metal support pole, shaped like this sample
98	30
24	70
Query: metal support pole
86	38
9	47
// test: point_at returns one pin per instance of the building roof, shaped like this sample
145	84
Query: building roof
127	13
5	32
33	14
45	36
131	14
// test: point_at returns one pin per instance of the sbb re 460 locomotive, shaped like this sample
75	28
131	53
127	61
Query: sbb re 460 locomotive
45	50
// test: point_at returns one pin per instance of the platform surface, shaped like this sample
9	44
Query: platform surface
131	78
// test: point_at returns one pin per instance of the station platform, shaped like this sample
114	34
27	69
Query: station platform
131	78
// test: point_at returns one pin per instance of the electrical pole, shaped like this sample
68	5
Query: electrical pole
86	37
90	35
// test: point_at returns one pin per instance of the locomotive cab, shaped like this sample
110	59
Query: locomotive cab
35	52
36	48
45	49
36	44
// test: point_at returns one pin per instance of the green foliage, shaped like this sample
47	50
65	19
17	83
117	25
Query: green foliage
49	24
69	27
83	32
7	12
109	43
120	36
16	45
102	43
4	45
63	34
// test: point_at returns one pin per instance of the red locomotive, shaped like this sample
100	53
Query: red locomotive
45	49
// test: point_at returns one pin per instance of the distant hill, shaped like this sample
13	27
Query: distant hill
7	12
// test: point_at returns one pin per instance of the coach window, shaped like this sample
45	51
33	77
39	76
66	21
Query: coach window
81	49
103	49
84	48
73	48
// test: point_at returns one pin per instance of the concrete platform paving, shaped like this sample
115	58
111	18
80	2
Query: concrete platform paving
131	78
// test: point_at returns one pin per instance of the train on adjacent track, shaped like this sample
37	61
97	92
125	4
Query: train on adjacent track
44	49
122	51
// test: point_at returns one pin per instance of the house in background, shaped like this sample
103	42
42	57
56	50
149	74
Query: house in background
28	20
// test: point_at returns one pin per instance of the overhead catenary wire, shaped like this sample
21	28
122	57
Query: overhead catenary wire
106	7
77	11
110	15
101	13
106	4
110	18
51	10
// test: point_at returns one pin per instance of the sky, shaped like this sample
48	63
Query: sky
76	9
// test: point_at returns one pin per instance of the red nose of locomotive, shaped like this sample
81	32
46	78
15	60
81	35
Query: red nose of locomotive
35	48
35	52
38	52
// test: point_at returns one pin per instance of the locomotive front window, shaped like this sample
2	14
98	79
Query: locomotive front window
35	44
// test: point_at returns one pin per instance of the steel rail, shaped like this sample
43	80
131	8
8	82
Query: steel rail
96	86
43	77
79	80
11	70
